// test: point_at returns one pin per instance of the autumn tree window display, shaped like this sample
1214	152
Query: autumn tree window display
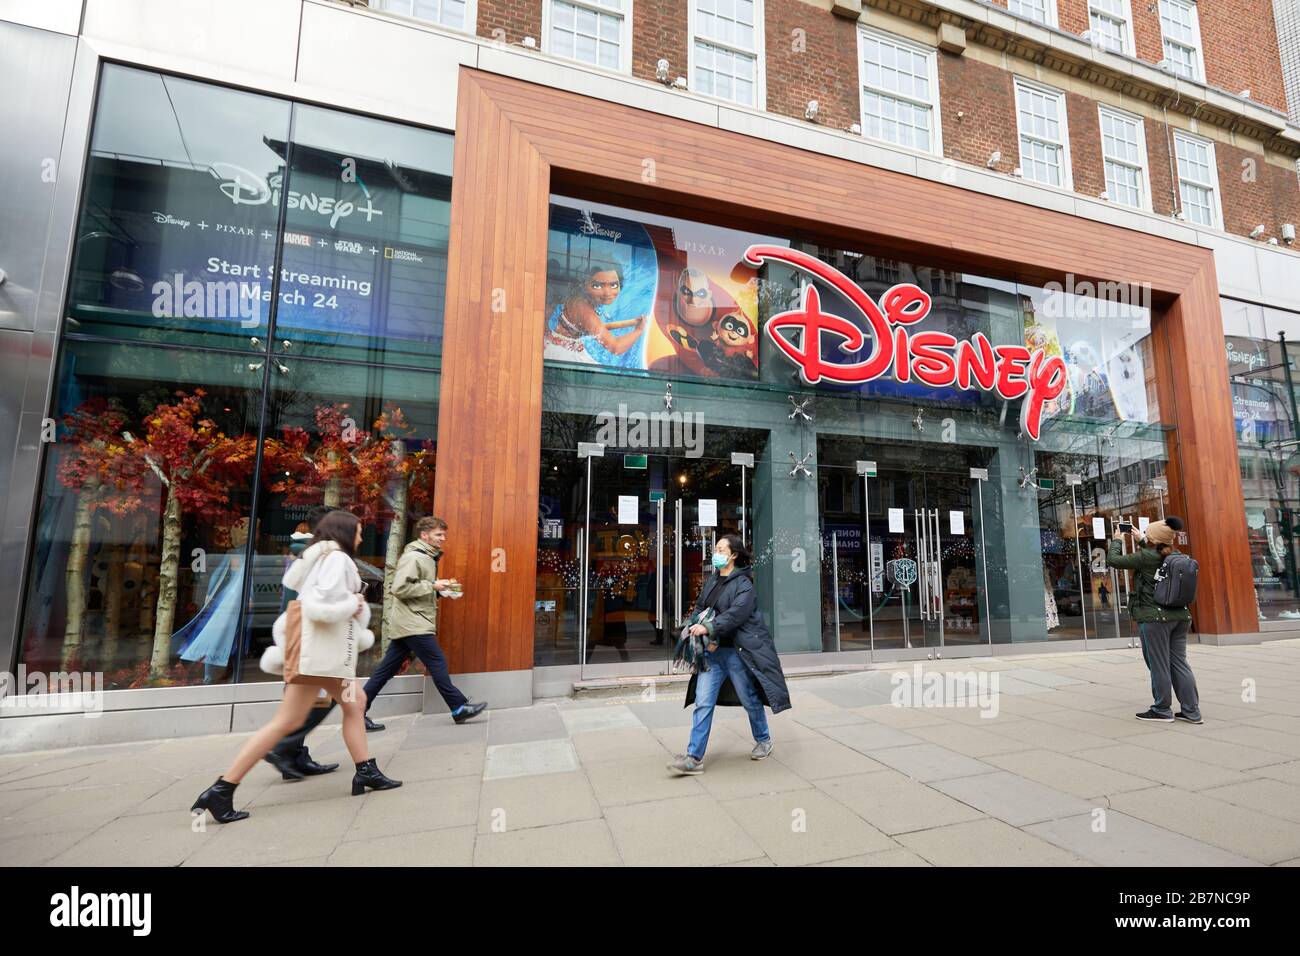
381	473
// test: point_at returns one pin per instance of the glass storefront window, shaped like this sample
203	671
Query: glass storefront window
140	541
357	437
1261	346
177	236
221	374
889	515
180	238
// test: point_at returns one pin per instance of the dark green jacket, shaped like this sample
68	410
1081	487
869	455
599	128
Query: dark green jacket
1142	604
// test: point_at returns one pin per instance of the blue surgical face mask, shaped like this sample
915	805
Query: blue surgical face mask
719	560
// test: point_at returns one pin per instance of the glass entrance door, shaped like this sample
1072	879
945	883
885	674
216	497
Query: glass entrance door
625	539
900	556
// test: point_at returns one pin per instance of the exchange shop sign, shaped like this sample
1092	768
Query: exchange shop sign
937	359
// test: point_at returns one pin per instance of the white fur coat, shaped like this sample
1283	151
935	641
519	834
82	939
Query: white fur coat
327	583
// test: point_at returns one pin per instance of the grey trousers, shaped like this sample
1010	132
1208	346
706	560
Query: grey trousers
1164	648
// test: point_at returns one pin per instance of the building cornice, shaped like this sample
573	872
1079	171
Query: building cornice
1062	52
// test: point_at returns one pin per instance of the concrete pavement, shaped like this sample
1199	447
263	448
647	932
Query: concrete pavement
1063	775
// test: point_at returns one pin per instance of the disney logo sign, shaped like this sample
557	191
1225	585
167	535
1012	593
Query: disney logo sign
245	188
933	358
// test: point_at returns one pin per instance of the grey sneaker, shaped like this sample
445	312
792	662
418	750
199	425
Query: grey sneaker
761	750
1191	720
686	765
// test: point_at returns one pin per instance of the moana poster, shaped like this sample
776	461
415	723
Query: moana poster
634	295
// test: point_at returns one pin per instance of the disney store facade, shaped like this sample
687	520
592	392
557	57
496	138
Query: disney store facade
922	407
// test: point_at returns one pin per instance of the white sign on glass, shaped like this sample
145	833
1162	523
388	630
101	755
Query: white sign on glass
956	522
1099	528
895	520
627	509
1142	524
708	512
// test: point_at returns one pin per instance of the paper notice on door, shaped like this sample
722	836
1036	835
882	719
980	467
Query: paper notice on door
627	509
1099	529
956	522
878	566
1142	524
895	520
708	512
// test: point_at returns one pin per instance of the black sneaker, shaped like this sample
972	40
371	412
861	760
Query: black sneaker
371	726
1152	715
471	710
1181	716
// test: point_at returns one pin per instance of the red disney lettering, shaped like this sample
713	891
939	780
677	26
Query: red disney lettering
933	358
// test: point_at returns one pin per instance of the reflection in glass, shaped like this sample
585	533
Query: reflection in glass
139	557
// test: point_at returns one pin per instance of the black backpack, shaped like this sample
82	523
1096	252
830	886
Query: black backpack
1176	581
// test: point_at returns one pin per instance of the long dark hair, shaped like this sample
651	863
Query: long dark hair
340	527
743	557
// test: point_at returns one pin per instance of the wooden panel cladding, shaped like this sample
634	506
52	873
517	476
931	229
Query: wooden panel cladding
517	142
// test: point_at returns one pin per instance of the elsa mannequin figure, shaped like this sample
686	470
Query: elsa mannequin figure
210	634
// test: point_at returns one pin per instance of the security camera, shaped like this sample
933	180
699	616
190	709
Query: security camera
680	83
661	71
994	158
856	129
1257	232
1288	233
1018	172
1104	194
530	42
810	111
1244	94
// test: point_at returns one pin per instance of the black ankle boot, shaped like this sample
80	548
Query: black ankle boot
369	776
218	800
286	765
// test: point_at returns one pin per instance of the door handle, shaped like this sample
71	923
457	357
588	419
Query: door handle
922	564
659	565
677	568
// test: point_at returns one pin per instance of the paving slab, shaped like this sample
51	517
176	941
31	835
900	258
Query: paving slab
1112	838
985	842
894	803
803	827
687	831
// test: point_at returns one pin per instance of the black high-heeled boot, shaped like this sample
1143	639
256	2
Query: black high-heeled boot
369	776
218	800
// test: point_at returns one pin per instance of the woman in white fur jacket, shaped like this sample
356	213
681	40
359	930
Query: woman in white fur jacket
334	619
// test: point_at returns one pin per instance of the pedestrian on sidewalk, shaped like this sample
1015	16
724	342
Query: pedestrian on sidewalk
739	666
1163	629
413	627
290	756
333	610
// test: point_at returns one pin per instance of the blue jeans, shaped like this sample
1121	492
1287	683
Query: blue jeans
724	663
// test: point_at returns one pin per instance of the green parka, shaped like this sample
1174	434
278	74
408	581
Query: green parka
1144	562
415	609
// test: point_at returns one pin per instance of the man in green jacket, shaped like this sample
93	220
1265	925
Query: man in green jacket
1163	629
413	626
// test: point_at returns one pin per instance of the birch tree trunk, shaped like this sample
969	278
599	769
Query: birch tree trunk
113	603
396	541
167	571
75	586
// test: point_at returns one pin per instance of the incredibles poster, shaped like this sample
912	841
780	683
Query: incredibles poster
624	294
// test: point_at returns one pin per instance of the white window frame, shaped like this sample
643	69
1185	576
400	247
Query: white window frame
1067	172
932	56
624	40
1130	39
1196	25
1102	109
760	56
471	14
1217	206
1053	18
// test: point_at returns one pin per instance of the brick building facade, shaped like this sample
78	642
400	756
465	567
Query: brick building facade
810	51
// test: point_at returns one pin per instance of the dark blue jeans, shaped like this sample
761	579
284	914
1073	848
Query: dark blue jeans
425	647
